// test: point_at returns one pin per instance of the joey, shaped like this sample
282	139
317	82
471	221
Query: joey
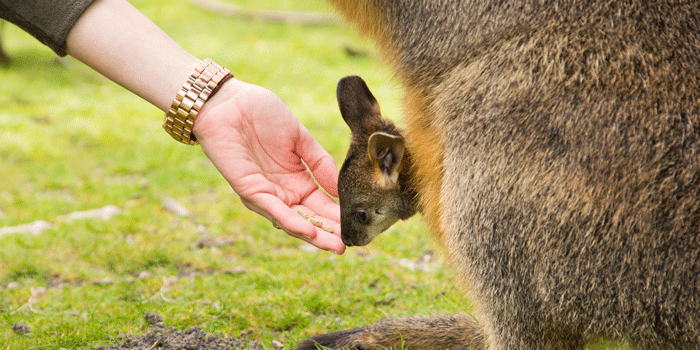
373	185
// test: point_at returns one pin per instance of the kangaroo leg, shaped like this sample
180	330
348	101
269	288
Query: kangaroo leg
456	332
511	336
549	343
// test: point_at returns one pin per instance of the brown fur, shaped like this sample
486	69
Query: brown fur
554	149
458	332
376	188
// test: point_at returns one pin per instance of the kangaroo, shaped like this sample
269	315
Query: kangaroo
376	190
375	177
553	150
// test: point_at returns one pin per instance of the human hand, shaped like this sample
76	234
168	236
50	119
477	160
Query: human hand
261	149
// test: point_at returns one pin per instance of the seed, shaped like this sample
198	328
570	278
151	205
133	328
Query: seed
314	221
304	215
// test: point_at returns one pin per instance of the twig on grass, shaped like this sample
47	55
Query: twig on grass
105	213
36	293
35	228
168	281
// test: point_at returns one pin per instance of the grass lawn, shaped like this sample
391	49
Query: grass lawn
70	140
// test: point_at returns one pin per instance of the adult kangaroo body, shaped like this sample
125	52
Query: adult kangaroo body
555	155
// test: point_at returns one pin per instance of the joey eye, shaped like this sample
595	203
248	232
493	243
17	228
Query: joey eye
362	217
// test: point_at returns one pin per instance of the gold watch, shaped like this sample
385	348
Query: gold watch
202	84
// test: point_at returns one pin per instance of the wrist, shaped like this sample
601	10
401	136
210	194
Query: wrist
200	86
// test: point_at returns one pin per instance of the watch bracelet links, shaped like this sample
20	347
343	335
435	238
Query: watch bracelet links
204	81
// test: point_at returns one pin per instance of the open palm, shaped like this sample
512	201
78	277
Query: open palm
263	151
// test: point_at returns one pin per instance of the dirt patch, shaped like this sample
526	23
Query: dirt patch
161	337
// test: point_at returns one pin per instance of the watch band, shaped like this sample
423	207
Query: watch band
197	89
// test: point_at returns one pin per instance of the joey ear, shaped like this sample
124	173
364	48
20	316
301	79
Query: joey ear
386	153
356	102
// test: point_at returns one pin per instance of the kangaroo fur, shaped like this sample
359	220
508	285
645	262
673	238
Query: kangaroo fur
554	153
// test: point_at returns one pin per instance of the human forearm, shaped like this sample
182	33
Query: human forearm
119	42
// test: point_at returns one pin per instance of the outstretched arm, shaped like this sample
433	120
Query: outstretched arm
250	135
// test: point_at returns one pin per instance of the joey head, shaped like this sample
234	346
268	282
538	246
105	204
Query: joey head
373	185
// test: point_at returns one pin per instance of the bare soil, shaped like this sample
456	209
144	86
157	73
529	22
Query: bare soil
162	337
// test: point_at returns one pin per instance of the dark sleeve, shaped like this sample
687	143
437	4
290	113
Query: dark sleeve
47	20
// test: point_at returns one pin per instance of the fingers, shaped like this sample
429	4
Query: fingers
322	205
327	232
297	226
289	220
320	163
324	240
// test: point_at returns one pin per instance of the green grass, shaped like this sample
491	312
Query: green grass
71	140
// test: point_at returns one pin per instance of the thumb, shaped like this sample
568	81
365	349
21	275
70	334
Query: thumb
320	163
